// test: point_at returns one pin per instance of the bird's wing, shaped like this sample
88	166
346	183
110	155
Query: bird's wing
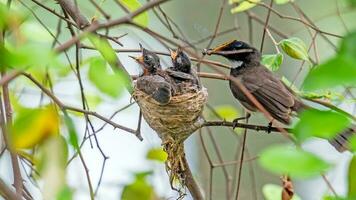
179	75
155	86
270	92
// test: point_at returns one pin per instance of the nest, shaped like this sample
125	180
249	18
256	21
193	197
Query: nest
174	122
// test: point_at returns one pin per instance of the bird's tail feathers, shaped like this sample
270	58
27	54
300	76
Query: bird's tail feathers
341	142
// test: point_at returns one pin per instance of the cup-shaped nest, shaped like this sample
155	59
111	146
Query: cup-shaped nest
176	120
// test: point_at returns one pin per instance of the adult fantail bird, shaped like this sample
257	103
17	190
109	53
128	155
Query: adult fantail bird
268	89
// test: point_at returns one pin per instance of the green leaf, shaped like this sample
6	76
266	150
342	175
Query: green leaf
10	18
52	162
28	55
157	154
227	112
243	5
33	126
272	61
109	55
65	194
93	100
133	5
353	143
338	71
294	162
313	123
282	1
352	3
295	48
336	198
111	84
274	192
73	136
348	47
104	48
140	189
352	178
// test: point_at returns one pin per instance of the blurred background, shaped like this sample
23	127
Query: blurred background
197	19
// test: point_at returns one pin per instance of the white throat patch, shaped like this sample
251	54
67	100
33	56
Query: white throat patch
236	64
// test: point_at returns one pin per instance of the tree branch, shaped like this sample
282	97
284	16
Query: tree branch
246	126
7	192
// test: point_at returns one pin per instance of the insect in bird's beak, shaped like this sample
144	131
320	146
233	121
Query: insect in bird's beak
217	49
173	54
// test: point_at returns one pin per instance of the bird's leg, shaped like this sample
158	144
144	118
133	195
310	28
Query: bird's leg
235	122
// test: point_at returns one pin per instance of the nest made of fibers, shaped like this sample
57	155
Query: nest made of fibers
174	122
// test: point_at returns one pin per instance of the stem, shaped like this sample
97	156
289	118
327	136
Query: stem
191	183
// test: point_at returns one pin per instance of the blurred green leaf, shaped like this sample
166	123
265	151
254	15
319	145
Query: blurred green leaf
227	112
65	194
133	5
73	136
272	61
243	5
140	189
28	55
109	55
353	143
294	162
10	18
352	178
312	123
33	31
104	48
111	84
33	126
336	198
274	192
282	1
338	71
348	47
93	100
352	2
295	48
157	154
52	162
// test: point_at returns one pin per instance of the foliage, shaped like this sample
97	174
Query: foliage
272	61
294	162
312	123
337	71
295	48
139	189
32	126
157	154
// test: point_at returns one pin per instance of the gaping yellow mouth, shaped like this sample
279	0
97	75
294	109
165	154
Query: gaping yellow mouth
138	59
174	54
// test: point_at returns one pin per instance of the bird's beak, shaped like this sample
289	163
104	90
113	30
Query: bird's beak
217	49
138	59
141	47
173	54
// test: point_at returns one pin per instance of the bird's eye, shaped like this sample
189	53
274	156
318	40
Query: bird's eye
146	58
238	44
